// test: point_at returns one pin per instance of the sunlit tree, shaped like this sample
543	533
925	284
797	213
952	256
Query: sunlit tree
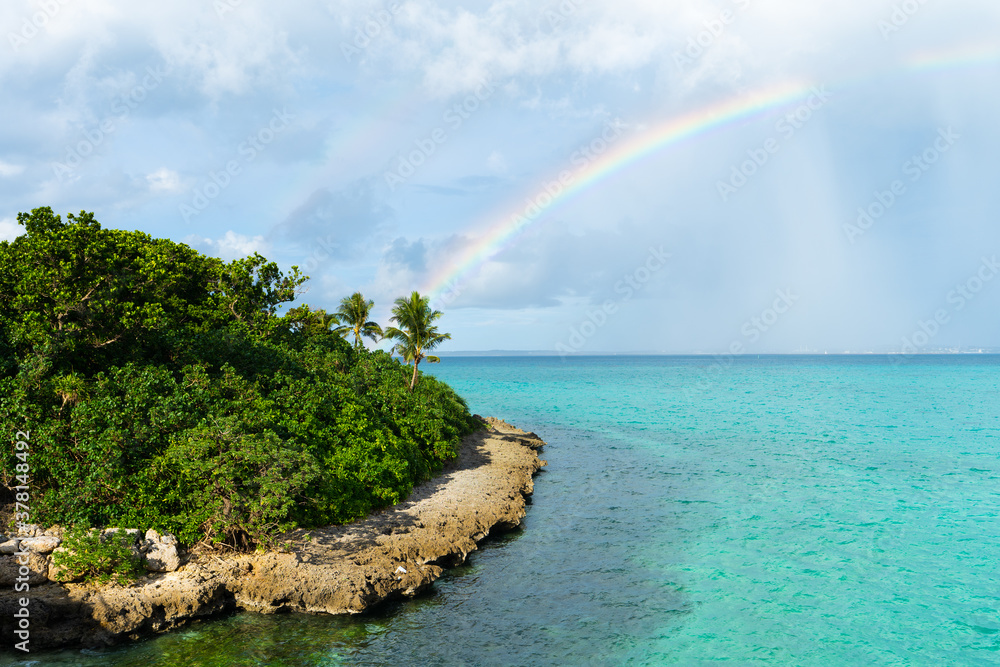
352	316
416	332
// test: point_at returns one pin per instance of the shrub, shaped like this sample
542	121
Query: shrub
235	487
87	555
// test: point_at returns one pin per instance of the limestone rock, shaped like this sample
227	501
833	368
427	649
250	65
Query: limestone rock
38	566
10	546
29	530
40	545
162	558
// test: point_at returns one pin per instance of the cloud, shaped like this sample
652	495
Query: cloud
402	267
411	256
461	187
543	269
164	180
231	246
7	169
335	222
9	230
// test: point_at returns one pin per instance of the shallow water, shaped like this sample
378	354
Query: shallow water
782	510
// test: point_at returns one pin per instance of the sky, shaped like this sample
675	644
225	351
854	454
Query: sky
570	177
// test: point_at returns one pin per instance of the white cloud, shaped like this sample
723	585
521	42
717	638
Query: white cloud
230	246
7	169
231	54
9	230
164	180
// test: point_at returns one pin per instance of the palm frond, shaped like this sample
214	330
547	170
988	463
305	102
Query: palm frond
416	332
352	316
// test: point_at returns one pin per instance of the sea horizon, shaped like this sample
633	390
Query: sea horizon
549	353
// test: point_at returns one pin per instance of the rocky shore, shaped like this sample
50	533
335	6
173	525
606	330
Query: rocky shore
395	553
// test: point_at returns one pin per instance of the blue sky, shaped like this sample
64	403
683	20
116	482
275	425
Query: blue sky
240	125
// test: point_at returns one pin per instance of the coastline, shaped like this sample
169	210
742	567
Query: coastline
397	552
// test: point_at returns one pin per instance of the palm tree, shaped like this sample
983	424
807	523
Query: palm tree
416	333
352	316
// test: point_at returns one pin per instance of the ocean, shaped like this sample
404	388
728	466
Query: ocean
832	510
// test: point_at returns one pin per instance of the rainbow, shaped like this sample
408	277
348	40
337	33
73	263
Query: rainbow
615	155
503	229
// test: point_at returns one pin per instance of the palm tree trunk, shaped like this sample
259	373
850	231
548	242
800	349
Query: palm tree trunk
413	380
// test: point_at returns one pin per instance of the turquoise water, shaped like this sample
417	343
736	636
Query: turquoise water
782	510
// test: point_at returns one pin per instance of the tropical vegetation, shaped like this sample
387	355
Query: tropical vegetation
352	315
87	555
416	332
165	389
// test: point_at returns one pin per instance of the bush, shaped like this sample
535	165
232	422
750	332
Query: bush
87	555
235	487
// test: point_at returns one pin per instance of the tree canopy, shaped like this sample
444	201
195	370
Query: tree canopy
163	390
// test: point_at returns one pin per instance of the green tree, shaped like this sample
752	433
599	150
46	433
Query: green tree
309	321
83	297
251	289
72	290
417	332
352	316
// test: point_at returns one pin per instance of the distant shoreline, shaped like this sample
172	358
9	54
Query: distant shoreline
695	355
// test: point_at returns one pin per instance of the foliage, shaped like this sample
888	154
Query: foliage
352	315
234	484
163	389
86	554
417	332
